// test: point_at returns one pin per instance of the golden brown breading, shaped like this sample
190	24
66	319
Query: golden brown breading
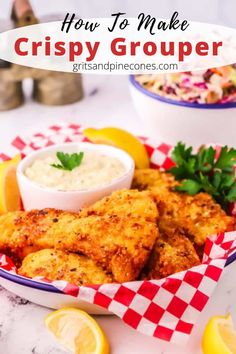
121	244
60	265
195	216
145	179
125	202
172	253
13	244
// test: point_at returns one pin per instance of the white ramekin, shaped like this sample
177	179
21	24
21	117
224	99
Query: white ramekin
37	197
193	123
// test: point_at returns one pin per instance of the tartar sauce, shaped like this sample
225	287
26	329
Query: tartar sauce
96	170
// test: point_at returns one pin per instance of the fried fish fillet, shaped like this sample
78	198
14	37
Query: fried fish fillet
127	203
120	243
195	216
145	179
60	265
12	244
172	253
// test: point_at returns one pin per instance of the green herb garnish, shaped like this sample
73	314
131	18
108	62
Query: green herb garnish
204	171
68	161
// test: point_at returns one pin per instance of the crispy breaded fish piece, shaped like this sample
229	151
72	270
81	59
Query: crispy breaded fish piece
60	265
120	244
145	179
171	254
200	216
13	244
195	216
125	202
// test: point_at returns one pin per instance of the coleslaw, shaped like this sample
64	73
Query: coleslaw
215	85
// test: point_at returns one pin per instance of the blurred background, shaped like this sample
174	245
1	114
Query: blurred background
214	11
107	99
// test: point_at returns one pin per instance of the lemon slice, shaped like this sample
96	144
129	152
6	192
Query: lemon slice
9	191
122	139
77	331
219	336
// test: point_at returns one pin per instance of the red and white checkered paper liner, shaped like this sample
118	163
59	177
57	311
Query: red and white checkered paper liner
166	309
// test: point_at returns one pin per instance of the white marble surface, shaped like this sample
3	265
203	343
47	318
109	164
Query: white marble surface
107	102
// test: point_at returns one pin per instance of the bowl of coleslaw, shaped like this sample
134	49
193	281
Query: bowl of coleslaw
195	107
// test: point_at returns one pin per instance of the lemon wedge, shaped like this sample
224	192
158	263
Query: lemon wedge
9	191
219	336
77	331
122	139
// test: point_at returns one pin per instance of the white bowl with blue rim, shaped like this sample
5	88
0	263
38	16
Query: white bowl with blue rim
47	295
195	124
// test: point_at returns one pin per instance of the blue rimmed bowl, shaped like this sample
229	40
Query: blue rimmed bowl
45	294
196	124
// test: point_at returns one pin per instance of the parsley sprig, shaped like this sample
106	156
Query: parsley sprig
204	171
68	161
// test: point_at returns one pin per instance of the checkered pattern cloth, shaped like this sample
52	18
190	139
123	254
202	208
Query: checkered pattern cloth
166	309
